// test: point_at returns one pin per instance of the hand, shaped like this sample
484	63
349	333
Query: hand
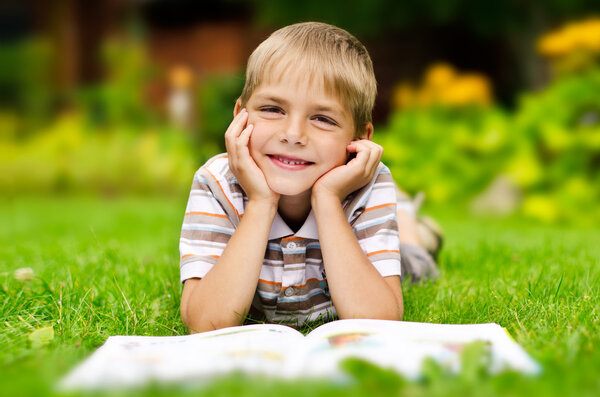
343	180
243	166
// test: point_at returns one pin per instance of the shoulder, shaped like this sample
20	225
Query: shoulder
216	177
379	192
383	174
216	171
217	166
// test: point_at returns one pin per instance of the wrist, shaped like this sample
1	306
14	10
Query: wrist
266	207
324	201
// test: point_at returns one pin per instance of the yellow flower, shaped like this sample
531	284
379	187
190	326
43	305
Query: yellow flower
466	90
554	45
577	36
443	85
181	77
590	35
439	75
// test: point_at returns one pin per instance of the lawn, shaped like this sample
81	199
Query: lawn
110	266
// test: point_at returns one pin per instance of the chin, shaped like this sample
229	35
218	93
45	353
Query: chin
287	189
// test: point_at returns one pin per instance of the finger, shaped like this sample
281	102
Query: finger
238	124
244	138
242	158
361	151
234	130
368	157
231	137
376	152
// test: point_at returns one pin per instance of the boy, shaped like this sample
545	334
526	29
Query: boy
297	221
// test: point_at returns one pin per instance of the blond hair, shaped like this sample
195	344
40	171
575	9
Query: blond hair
321	50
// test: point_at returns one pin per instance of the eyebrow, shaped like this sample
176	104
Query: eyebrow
272	98
318	107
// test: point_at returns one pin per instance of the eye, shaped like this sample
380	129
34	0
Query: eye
271	109
324	119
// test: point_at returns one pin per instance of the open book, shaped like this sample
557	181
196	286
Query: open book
281	351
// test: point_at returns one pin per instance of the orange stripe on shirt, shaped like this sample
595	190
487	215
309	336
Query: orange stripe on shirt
223	191
223	156
382	252
205	213
260	280
292	238
378	206
189	255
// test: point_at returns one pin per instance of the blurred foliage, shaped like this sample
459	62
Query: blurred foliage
120	99
26	81
446	152
376	17
215	100
558	146
110	141
68	156
443	85
549	148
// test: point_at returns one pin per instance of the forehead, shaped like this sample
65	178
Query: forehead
301	78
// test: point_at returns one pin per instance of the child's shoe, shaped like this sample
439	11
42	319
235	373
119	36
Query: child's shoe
419	261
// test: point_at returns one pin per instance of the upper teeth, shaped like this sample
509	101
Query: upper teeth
290	161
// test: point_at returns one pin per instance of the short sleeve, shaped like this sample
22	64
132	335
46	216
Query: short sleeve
376	228
205	231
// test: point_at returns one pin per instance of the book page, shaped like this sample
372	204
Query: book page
133	360
281	351
403	346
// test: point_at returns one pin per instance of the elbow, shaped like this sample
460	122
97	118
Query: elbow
192	321
189	321
203	322
400	312
394	314
198	325
400	307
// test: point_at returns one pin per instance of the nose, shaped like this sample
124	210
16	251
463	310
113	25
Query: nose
294	132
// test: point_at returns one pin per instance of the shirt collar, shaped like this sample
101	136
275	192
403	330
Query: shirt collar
280	229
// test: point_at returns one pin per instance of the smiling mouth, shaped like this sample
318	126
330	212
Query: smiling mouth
289	161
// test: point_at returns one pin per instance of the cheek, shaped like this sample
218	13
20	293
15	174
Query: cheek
257	142
337	153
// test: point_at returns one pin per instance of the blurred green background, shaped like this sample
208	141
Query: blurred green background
490	107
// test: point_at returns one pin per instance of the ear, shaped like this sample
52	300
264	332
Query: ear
367	132
237	107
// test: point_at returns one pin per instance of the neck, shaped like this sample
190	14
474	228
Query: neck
295	209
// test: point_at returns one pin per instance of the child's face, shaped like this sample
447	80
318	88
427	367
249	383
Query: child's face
300	133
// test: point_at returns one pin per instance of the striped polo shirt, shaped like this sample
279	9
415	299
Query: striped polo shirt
292	286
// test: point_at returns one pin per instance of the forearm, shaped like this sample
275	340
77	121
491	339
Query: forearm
357	289
223	297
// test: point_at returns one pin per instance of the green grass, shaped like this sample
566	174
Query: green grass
105	267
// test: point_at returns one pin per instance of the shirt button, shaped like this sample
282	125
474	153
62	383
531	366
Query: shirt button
289	291
291	245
